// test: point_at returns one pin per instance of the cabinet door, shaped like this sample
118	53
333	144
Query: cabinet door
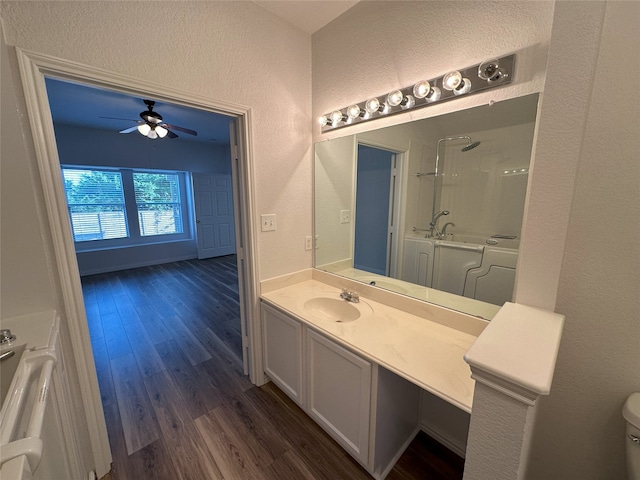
339	393
283	351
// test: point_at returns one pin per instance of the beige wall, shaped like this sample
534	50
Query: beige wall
580	431
232	52
25	283
583	186
228	51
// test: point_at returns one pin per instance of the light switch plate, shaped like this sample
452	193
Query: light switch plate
268	222
345	216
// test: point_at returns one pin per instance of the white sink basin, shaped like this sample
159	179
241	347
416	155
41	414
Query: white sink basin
334	309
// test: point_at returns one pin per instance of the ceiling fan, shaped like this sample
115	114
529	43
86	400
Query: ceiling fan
152	126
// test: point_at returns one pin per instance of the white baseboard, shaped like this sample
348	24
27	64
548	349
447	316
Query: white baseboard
456	447
127	266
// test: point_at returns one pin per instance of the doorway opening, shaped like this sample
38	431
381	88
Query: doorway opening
34	69
377	212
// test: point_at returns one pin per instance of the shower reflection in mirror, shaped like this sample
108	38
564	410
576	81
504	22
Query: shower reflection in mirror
436	205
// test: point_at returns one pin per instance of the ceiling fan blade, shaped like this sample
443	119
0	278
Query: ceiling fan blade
117	118
129	130
180	129
170	134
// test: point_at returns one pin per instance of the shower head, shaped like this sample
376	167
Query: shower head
471	146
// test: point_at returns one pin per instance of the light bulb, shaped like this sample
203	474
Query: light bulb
452	80
434	95
395	98
152	134
490	71
372	105
421	89
161	131
144	129
353	111
408	102
463	88
336	117
323	120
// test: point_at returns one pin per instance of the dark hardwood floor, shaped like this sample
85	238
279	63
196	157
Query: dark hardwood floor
167	346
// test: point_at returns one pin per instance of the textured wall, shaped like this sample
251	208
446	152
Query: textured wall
580	430
375	47
230	51
25	283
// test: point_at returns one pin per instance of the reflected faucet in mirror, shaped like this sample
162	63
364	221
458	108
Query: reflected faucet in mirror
433	225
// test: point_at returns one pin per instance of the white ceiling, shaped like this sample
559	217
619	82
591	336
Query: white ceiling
308	15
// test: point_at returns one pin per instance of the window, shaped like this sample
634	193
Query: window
96	204
158	203
122	207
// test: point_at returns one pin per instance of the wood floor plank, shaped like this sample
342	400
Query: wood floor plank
197	392
147	357
216	347
154	461
117	442
138	418
154	326
228	449
188	449
94	320
253	427
103	371
114	335
187	341
288	467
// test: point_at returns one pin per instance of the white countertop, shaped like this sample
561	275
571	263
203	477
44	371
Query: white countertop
424	352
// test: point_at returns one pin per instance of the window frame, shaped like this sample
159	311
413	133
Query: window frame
131	210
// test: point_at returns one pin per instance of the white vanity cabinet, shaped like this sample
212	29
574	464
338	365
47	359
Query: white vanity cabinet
283	362
339	393
371	412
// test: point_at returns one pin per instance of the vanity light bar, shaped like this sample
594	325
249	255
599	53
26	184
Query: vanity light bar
483	76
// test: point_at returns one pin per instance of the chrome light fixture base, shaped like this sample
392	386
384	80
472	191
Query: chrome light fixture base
477	78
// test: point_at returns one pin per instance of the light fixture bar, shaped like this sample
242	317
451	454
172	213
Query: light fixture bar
477	78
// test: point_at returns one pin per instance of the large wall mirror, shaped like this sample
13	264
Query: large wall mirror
430	208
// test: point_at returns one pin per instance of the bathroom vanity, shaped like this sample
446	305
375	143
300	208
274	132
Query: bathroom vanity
358	369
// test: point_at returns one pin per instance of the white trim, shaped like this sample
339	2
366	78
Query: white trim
33	68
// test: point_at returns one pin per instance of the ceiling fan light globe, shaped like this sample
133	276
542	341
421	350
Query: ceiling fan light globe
161	131
144	129
152	134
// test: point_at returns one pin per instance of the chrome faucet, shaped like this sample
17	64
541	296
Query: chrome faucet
433	225
350	296
6	337
444	228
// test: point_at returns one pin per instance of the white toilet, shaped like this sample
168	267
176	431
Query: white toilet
631	413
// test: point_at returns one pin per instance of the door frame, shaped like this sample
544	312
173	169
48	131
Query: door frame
33	69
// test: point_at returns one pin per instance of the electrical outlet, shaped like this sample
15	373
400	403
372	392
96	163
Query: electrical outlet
345	216
268	222
308	243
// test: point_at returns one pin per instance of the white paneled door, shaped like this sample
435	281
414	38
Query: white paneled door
215	227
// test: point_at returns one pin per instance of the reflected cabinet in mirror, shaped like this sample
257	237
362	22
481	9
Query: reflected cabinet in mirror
431	208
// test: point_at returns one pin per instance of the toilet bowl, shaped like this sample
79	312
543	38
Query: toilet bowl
631	413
